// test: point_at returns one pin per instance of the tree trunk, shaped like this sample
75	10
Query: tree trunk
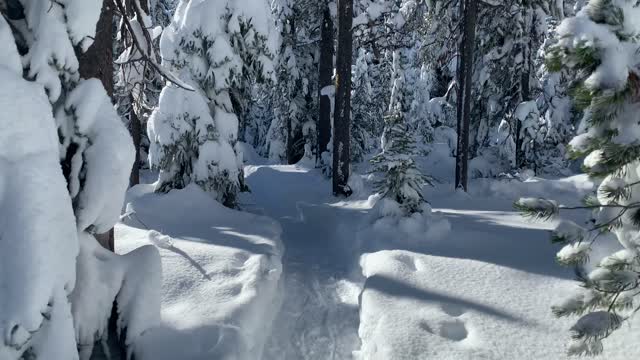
525	93
97	61
136	134
290	136
325	70
342	114
135	127
468	13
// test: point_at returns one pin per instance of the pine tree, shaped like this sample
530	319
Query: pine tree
72	282
402	180
601	44
363	109
215	49
292	134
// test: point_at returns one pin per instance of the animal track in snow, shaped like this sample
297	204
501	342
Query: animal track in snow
454	330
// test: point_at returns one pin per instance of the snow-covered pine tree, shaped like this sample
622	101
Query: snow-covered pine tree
531	136
601	44
402	181
65	159
362	108
292	133
194	134
509	36
559	117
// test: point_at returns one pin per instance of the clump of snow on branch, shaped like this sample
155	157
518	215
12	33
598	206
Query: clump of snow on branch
64	145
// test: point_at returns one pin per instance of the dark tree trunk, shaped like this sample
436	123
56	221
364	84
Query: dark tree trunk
525	94
136	134
291	158
325	70
97	61
135	127
342	114
468	13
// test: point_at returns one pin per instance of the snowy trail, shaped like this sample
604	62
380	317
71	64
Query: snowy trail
406	308
319	316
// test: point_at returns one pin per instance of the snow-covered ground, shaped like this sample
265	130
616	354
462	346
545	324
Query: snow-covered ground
221	270
480	286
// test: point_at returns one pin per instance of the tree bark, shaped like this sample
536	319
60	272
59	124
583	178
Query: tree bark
325	70
468	14
97	61
135	127
525	93
290	138
136	135
342	114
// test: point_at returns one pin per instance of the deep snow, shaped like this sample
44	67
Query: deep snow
221	270
480	287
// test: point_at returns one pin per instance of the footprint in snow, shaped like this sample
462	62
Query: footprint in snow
454	330
452	310
408	261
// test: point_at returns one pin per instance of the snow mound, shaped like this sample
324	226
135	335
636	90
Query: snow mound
221	273
416	306
391	227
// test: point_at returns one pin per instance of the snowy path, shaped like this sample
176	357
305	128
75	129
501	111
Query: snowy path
480	291
319	316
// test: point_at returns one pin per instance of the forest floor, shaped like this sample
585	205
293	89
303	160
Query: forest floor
478	285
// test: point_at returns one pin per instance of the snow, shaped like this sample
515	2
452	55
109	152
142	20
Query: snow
133	280
38	236
108	147
221	272
411	310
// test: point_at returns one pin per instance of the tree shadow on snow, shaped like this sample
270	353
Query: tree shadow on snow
477	237
391	286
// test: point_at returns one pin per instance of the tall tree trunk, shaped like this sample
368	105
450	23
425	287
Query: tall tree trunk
97	62
525	92
342	114
136	134
468	13
290	136
135	127
325	70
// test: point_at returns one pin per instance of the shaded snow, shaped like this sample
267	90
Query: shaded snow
480	287
221	270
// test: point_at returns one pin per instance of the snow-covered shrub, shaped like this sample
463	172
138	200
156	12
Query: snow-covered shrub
600	43
65	159
216	47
